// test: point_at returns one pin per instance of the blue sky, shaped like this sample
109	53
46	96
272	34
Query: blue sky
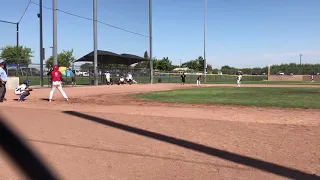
245	33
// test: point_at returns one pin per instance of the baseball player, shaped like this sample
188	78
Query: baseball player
199	81
108	81
56	83
239	77
23	91
121	81
129	78
183	79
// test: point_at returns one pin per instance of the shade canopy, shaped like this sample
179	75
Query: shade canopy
107	57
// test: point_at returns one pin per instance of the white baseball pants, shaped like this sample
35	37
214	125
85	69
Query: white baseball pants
57	84
198	83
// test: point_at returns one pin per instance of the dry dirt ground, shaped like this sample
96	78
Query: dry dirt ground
101	133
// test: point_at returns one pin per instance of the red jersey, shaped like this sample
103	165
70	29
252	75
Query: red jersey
56	76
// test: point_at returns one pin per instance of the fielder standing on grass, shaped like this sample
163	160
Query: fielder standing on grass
199	81
56	83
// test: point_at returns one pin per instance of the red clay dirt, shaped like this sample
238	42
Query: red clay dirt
76	148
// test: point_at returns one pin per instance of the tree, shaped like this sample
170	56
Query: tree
146	56
144	64
164	64
215	71
86	66
193	64
197	64
65	58
228	70
14	54
115	66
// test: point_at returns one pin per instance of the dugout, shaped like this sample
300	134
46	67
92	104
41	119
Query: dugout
107	57
108	61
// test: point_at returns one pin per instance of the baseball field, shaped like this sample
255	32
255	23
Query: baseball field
169	131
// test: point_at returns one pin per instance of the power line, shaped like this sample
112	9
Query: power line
90	19
24	11
8	22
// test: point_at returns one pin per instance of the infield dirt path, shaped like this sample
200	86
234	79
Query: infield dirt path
92	149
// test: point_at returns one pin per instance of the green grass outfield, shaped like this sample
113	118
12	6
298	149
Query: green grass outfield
248	96
35	80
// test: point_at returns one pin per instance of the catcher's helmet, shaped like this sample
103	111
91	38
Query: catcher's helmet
26	82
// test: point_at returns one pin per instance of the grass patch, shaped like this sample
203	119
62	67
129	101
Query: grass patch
248	96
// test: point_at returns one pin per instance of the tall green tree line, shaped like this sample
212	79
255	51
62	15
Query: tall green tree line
23	55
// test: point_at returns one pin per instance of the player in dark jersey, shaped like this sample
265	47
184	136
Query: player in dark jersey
183	79
199	81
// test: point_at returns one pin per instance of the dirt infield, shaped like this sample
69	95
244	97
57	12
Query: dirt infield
101	133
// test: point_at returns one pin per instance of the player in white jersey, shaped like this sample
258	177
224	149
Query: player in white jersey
129	78
23	90
239	77
121	81
108	80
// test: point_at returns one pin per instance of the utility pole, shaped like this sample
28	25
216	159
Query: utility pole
150	41
18	59
41	44
95	43
204	42
55	29
300	65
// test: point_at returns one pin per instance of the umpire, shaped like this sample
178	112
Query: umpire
3	81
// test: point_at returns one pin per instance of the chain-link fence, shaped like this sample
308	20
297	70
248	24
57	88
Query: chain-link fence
169	77
82	76
85	75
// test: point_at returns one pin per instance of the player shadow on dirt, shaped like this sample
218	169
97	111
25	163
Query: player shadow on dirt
233	157
137	154
22	155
